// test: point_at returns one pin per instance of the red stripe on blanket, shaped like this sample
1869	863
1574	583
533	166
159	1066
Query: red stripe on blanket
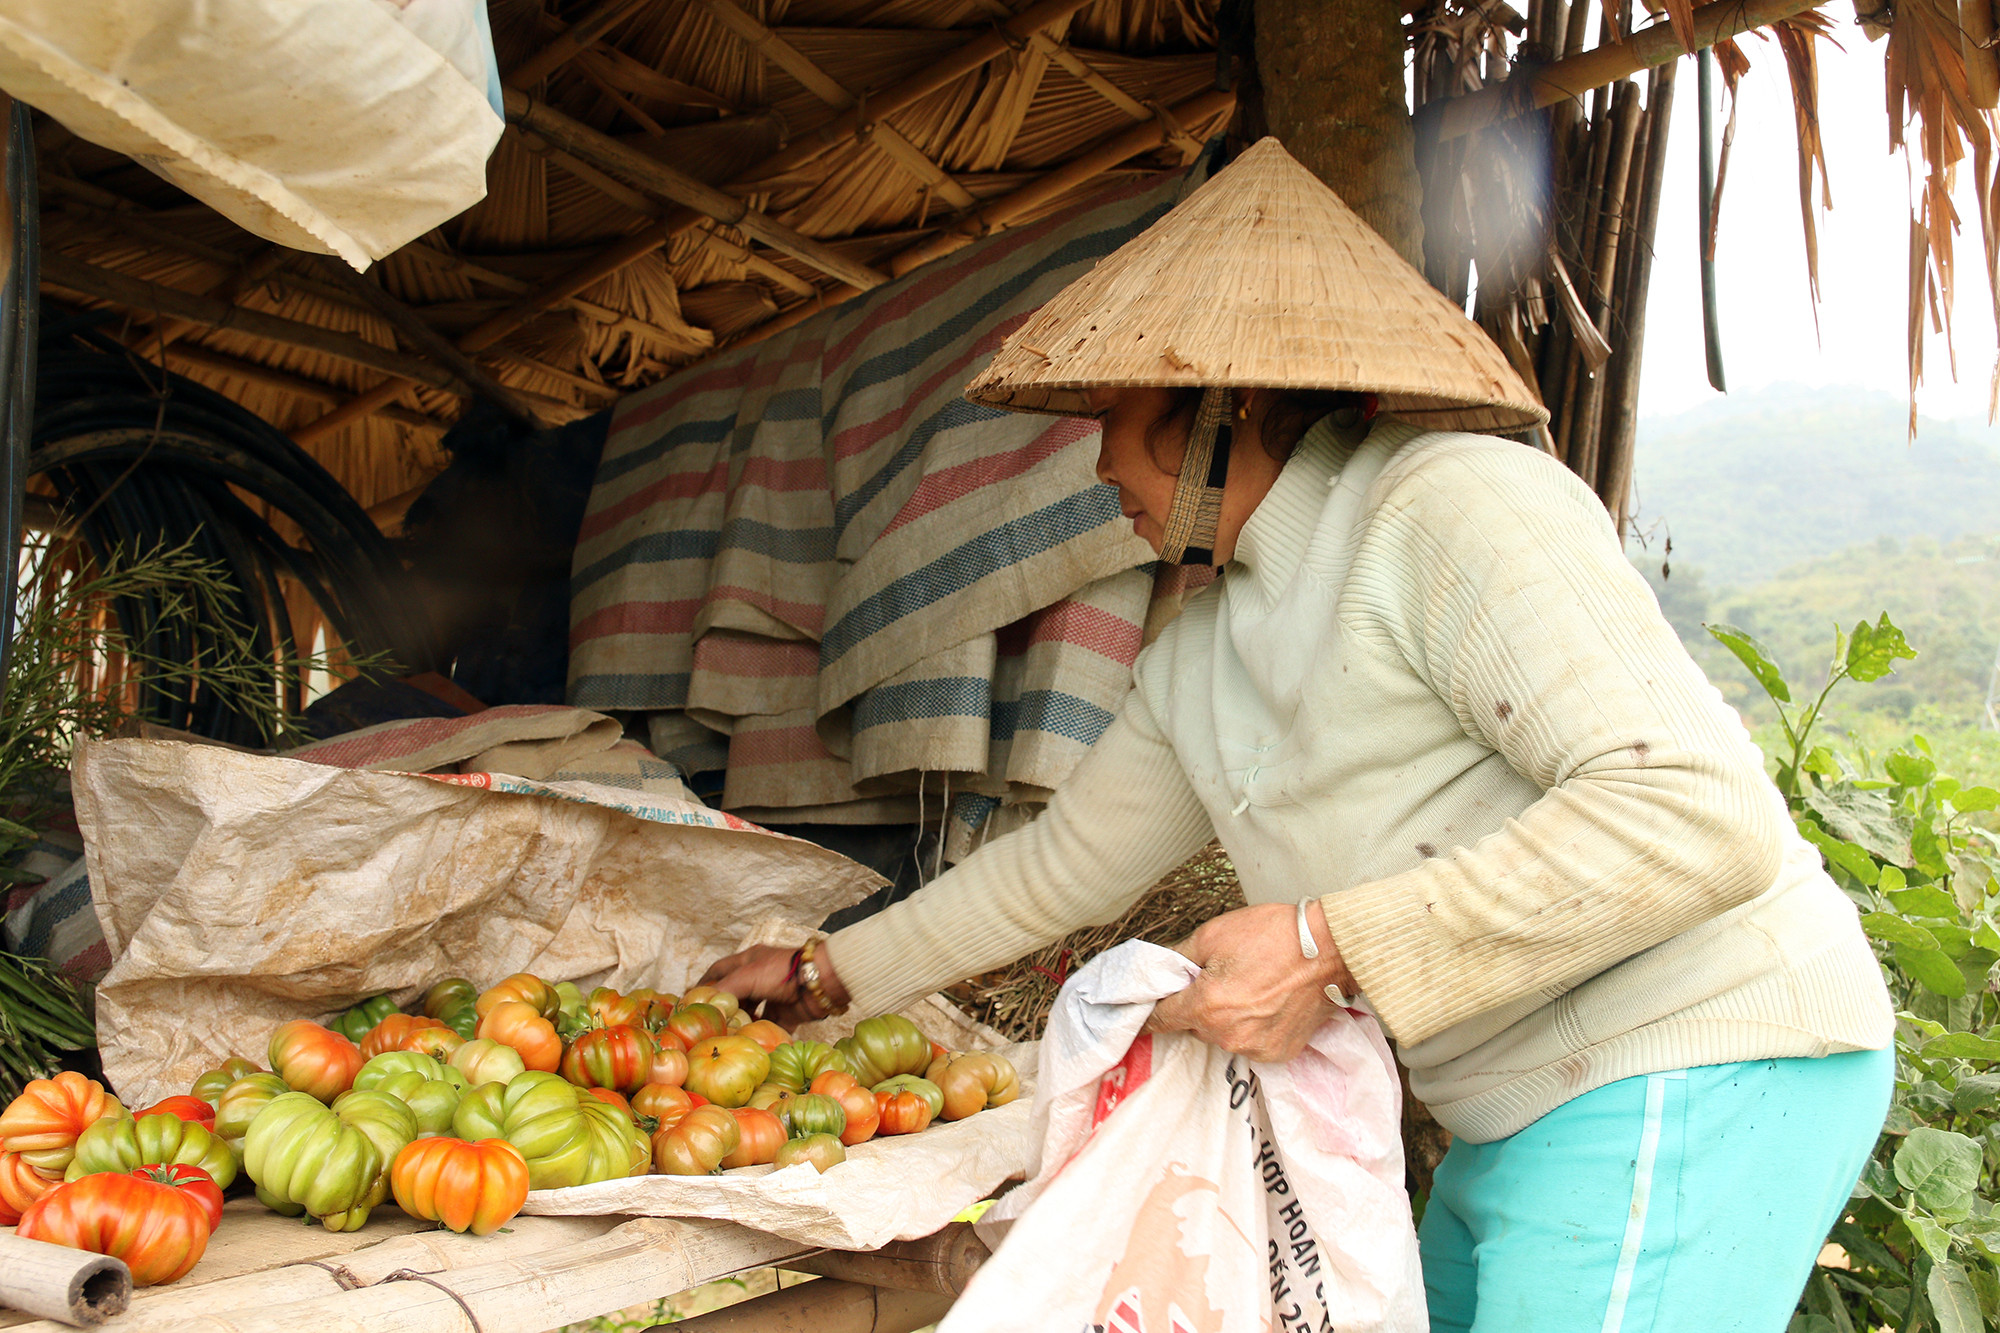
637	618
955	483
765	658
806	617
1089	627
782	745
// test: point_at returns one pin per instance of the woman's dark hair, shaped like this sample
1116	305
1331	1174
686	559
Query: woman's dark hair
1286	419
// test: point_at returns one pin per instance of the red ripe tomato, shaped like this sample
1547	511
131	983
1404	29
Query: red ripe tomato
902	1112
539	995
759	1135
697	1145
191	1109
610	1098
474	1187
863	1116
726	1070
195	1182
394	1032
696	1023
20	1185
765	1033
160	1231
664	1103
42	1123
615	1057
314	1060
515	1023
670	1065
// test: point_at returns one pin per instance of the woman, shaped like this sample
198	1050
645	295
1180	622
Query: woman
1462	765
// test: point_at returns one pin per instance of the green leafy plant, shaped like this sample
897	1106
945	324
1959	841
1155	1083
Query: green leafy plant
1920	1237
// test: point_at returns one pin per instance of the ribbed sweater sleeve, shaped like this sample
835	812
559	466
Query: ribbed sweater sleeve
1126	817
1495	575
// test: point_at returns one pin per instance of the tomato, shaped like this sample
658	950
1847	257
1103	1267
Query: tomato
429	1089
187	1108
20	1185
669	1064
530	990
884	1047
862	1114
973	1082
313	1060
796	1064
488	1061
563	1141
444	994
663	1103
759	1135
697	1145
199	1185
765	1033
816	1113
610	1098
462	1018
438	1042
902	1112
770	1097
160	1231
481	1113
394	1032
939	1051
619	1148
476	1187
696	1023
391	1063
819	1151
331	1164
726	1070
932	1094
114	1144
239	1104
608	1007
42	1123
357	1022
618	1057
719	1000
209	1086
515	1023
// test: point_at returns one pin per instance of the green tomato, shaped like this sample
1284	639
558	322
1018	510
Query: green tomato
390	1063
462	1017
795	1064
432	1101
443	994
305	1158
810	1113
359	1021
119	1144
821	1151
210	1086
618	1147
481	1113
241	1101
884	1047
484	1060
923	1087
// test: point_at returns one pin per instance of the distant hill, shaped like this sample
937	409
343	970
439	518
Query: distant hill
1755	484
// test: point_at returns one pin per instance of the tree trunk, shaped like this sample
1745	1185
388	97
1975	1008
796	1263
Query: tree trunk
1332	76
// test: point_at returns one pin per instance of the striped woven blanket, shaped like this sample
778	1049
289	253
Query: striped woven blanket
813	557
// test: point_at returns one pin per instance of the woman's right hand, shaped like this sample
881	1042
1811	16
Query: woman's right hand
768	973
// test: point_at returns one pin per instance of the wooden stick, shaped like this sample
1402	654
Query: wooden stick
73	1286
571	41
60	270
1604	270
657	178
1575	75
377	398
825	1306
299	386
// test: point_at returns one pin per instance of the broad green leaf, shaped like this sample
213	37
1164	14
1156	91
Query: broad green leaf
1809	1323
1941	1170
1944	788
1953	1299
1889	927
1925	851
1985	936
1922	900
1880	1180
1823	1299
1757	658
1981	1092
1986	1285
1863	817
1962	1046
1908	770
1893	880
1928	1027
1843	854
1974	799
1873	650
1931	969
1820	760
1864	1248
1933	1236
1954	939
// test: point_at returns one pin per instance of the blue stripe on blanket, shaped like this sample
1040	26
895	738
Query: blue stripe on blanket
940	696
645	689
797	546
653	548
1050	711
955	413
701	430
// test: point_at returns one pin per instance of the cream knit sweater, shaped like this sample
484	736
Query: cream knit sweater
1430	689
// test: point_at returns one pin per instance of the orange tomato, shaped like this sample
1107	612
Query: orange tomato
159	1230
474	1187
862	1114
516	1023
610	1098
759	1135
42	1123
663	1102
696	1023
313	1059
192	1109
670	1064
902	1112
765	1033
697	1144
973	1082
20	1185
394	1032
523	986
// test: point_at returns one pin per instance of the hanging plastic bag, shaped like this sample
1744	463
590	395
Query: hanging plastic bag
1180	1189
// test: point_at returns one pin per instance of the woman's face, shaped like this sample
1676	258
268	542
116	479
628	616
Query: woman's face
1141	455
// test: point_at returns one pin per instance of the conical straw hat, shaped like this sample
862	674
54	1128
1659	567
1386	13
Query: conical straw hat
1261	278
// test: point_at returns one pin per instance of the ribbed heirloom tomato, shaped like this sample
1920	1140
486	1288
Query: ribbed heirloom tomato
42	1123
974	1082
239	1104
394	1032
485	1060
196	1183
697	1145
765	1033
124	1145
663	1102
902	1112
184	1106
696	1023
758	1138
313	1060
474	1187
862	1114
796	1064
884	1047
816	1113
670	1062
537	994
515	1023
618	1057
209	1086
726	1070
159	1230
821	1151
20	1185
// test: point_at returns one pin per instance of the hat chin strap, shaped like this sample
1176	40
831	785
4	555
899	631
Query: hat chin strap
1196	509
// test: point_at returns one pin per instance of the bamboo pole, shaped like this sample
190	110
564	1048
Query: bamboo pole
1604	268
825	1306
1575	75
73	1286
571	41
354	409
656	177
299	386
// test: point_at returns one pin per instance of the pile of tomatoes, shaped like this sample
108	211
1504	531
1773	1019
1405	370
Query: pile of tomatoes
458	1111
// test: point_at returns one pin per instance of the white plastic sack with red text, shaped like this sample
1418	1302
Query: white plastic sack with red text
1180	1189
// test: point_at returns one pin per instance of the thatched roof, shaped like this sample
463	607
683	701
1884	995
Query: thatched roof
848	141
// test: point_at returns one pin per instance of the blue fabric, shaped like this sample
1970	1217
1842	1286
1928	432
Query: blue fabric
1693	1201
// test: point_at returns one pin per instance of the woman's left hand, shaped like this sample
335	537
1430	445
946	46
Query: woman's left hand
1258	995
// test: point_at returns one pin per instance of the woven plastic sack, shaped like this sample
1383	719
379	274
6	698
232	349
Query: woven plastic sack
1180	1189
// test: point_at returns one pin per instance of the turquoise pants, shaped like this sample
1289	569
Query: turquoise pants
1693	1201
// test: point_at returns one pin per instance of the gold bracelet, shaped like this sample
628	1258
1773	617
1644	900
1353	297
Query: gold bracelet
815	986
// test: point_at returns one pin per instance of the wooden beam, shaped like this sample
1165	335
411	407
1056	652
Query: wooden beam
299	386
664	182
571	40
975	54
61	270
353	410
1573	76
591	271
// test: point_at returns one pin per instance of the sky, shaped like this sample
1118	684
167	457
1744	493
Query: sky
1768	333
